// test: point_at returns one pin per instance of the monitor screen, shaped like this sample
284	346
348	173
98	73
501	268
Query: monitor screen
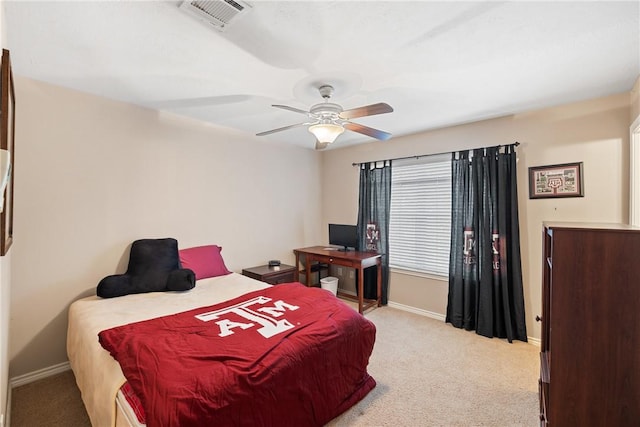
343	235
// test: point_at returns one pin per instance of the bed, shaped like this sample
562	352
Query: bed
314	368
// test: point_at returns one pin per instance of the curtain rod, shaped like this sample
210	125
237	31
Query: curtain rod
426	155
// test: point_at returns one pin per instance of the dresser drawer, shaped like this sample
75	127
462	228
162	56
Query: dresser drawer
272	275
275	279
336	261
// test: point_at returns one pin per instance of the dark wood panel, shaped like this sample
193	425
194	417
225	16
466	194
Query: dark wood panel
272	275
591	326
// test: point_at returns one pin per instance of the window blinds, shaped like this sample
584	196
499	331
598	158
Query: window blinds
420	218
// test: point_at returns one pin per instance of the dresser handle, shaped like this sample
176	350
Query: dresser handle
538	318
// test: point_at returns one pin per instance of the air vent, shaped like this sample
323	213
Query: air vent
219	13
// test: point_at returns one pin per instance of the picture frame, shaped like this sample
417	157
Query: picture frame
7	142
553	181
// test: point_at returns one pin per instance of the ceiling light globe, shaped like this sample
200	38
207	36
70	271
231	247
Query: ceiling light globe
326	132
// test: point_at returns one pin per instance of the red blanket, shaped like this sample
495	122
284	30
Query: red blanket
283	356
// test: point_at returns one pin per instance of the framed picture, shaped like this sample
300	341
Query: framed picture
7	142
563	180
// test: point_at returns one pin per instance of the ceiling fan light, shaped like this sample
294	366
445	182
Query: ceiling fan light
326	132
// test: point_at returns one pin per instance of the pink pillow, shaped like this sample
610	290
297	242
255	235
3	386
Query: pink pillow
205	261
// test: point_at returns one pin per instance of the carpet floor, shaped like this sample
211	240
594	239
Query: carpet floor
428	373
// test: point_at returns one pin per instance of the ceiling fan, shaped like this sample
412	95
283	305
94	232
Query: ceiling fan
329	120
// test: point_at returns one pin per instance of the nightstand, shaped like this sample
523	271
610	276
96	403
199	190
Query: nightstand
272	275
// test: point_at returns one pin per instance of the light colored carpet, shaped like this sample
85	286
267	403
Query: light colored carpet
432	374
428	374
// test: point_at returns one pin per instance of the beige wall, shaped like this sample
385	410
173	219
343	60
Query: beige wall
635	100
594	132
634	163
92	175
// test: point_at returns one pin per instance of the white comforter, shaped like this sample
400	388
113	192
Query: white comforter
98	375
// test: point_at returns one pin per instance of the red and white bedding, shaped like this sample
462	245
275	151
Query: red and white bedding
130	407
282	355
286	355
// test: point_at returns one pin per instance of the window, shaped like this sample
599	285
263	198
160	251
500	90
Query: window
420	217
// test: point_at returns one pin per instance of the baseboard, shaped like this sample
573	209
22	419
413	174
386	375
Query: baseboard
38	375
534	341
419	311
344	291
432	315
403	307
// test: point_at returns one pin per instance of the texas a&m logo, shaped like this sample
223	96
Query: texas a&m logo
265	316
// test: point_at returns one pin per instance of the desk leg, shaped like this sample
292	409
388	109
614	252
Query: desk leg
360	288
379	282
296	275
307	269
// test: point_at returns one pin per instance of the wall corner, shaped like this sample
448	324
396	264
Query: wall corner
634	101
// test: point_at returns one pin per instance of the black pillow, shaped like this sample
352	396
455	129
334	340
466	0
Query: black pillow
154	266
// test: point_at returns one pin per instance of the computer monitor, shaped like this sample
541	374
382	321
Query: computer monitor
343	235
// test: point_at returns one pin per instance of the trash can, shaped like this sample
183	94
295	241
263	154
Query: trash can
330	283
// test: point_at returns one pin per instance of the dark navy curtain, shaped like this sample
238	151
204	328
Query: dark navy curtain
485	275
373	222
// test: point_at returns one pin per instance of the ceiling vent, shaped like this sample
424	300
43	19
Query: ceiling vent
219	13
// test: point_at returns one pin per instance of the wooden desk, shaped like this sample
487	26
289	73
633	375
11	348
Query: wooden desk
353	259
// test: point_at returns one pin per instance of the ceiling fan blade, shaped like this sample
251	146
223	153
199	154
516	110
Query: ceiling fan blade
295	110
281	129
367	110
321	145
366	130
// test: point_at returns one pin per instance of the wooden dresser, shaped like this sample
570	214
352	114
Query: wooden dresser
590	350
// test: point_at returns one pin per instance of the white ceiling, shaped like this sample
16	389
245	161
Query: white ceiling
437	63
